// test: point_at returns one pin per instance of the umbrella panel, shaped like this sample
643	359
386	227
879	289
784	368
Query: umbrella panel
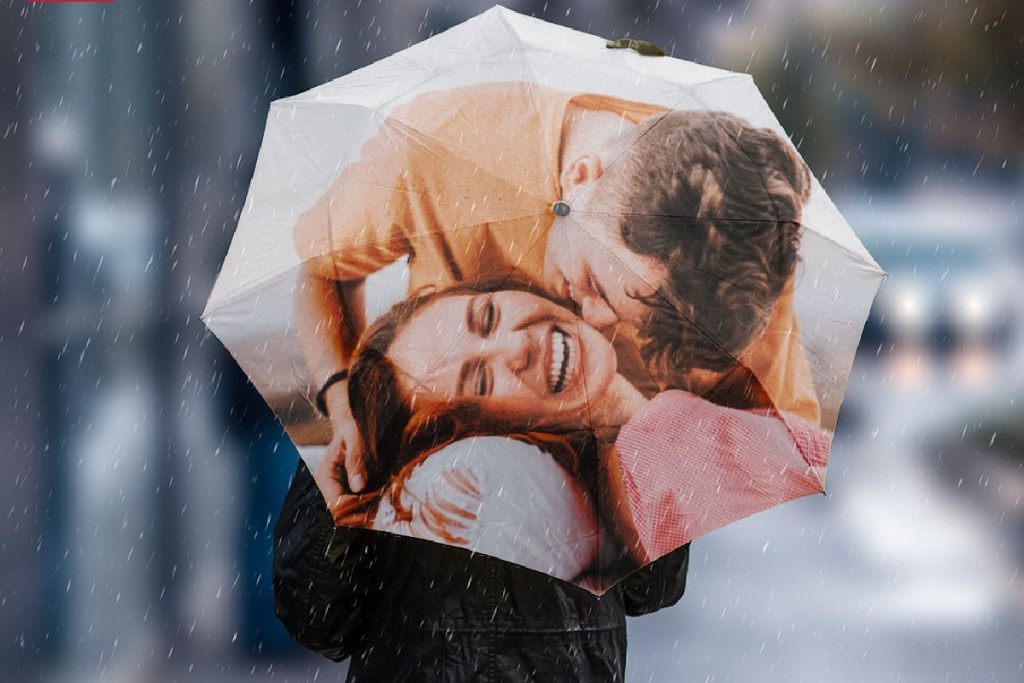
602	487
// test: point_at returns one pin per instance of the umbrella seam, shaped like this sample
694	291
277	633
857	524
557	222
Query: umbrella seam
423	138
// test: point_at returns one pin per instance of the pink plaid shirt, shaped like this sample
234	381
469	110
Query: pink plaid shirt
690	466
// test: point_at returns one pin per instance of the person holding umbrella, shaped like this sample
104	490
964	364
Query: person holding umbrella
468	181
407	609
736	192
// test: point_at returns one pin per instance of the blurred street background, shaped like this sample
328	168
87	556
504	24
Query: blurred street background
142	474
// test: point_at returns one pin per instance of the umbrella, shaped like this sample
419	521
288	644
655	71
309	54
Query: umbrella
567	302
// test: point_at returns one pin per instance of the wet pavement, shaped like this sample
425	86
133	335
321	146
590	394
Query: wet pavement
896	575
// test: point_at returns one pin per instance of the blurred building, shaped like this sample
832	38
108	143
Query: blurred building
24	486
144	473
890	95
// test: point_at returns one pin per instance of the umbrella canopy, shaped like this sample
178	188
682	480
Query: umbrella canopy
571	306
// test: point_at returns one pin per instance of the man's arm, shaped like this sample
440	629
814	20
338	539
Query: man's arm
353	229
330	316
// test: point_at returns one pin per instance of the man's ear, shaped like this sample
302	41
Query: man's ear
580	173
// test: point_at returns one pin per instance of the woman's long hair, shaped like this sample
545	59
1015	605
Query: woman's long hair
398	436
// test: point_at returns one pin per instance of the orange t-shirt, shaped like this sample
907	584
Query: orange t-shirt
462	181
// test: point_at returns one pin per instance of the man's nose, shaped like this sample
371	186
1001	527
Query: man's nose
597	312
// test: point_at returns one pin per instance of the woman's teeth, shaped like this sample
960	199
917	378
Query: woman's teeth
561	361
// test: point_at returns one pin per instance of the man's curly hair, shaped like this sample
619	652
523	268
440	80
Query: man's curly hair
718	202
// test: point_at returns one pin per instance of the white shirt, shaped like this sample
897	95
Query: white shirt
503	498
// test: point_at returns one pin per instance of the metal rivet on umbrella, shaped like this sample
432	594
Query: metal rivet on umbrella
561	208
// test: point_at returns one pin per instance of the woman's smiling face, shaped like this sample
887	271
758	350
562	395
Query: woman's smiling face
520	356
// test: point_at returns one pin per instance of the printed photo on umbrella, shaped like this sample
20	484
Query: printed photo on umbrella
675	232
563	326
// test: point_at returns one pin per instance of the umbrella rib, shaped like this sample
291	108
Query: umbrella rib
242	292
441	231
423	139
579	58
589	187
539	79
586	384
541	553
858	256
804	226
319	96
586	188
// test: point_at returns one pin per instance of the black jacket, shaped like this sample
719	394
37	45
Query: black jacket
410	610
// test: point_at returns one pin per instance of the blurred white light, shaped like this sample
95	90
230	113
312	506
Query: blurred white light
58	139
973	307
910	307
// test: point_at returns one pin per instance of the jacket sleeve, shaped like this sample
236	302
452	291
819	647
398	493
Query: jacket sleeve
319	572
657	585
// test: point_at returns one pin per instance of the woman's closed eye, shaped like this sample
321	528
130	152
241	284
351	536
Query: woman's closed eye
475	379
482	315
490	317
483	380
